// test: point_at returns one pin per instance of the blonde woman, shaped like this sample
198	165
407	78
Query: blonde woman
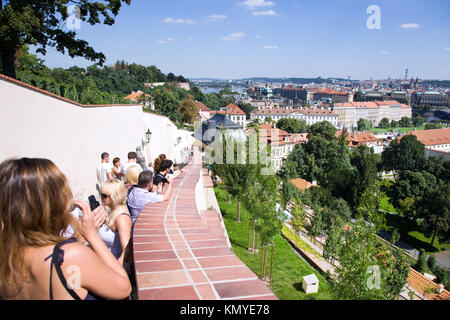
132	177
116	232
36	258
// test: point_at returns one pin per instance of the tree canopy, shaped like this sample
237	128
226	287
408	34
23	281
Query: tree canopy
39	23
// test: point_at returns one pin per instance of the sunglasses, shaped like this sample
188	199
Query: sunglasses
104	196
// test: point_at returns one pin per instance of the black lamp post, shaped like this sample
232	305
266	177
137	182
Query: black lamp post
148	136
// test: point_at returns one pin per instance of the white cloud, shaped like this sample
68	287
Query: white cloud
264	13
252	4
179	21
270	47
164	41
216	17
233	36
448	48
409	26
191	39
385	52
258	36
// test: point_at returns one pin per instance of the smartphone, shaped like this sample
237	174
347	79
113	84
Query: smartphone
93	203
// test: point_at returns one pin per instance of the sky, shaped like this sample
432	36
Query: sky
233	39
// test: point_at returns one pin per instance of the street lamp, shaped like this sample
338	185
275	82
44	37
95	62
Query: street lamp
148	136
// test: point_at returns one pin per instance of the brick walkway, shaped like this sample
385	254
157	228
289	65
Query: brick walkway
180	255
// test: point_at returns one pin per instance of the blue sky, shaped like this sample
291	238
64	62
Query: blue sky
279	38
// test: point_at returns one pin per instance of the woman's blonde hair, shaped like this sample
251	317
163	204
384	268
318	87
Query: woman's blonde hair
35	205
132	175
117	192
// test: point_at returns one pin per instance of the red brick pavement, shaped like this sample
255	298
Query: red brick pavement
182	254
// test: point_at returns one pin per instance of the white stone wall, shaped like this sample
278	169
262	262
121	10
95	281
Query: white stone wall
33	124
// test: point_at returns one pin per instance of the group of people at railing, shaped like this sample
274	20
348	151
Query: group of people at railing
55	247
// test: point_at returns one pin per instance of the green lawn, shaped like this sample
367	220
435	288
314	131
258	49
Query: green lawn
385	205
399	130
288	267
411	234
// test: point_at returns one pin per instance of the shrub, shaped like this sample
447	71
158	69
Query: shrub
432	263
421	262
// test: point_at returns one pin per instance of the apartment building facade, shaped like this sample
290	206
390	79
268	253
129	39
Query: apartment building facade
311	116
350	113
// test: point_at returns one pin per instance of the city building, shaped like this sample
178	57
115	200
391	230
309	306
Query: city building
350	113
291	92
311	116
327	94
281	143
141	97
418	287
355	139
203	111
431	98
302	184
233	113
213	128
437	139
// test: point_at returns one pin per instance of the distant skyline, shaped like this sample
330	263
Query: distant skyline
238	39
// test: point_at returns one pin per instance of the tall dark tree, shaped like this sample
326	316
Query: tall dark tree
434	208
39	23
408	154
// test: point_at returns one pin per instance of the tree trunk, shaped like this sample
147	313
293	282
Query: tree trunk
8	64
238	211
434	236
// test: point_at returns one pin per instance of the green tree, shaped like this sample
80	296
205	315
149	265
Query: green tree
434	208
334	241
238	175
324	129
298	215
39	23
431	262
408	154
364	125
405	122
406	193
188	109
394	124
360	257
167	102
442	276
421	262
260	199
365	161
292	125
384	123
418	121
247	108
432	126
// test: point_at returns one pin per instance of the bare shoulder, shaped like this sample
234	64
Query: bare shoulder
78	253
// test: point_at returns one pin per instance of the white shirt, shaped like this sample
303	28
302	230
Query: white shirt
126	165
102	172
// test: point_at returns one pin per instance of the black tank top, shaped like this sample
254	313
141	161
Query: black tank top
57	260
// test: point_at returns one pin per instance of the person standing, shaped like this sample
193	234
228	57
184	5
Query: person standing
104	170
132	156
117	170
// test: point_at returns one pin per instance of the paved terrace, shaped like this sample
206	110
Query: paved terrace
183	254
